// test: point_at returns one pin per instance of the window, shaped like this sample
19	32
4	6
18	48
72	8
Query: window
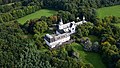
72	28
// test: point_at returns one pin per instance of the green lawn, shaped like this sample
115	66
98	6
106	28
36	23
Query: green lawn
37	14
109	11
89	57
118	25
93	38
8	4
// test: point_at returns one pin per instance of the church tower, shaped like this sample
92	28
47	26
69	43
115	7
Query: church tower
83	18
61	22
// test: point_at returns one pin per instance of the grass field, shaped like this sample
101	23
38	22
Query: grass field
93	38
89	57
109	11
118	25
37	14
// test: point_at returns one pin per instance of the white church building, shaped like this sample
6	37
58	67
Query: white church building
63	33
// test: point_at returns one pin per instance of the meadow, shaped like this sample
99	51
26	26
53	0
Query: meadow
109	11
89	57
37	14
118	25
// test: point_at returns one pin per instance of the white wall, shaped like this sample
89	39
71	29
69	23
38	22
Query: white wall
58	42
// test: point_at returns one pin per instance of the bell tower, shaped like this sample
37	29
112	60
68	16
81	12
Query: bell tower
83	18
61	22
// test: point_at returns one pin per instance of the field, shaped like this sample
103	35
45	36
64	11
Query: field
109	11
89	57
118	25
37	14
93	38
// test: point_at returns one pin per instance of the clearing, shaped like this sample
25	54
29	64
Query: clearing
37	14
118	25
109	11
89	57
93	38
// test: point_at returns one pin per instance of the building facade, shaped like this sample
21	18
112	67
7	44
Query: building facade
56	40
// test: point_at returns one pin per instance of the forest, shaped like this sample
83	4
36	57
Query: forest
22	45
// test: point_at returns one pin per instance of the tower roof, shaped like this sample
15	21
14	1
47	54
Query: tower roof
83	17
61	22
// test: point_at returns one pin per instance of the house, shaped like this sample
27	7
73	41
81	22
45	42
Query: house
63	33
56	40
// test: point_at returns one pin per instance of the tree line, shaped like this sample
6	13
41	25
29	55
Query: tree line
17	10
78	8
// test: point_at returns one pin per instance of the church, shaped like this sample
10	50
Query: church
63	33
